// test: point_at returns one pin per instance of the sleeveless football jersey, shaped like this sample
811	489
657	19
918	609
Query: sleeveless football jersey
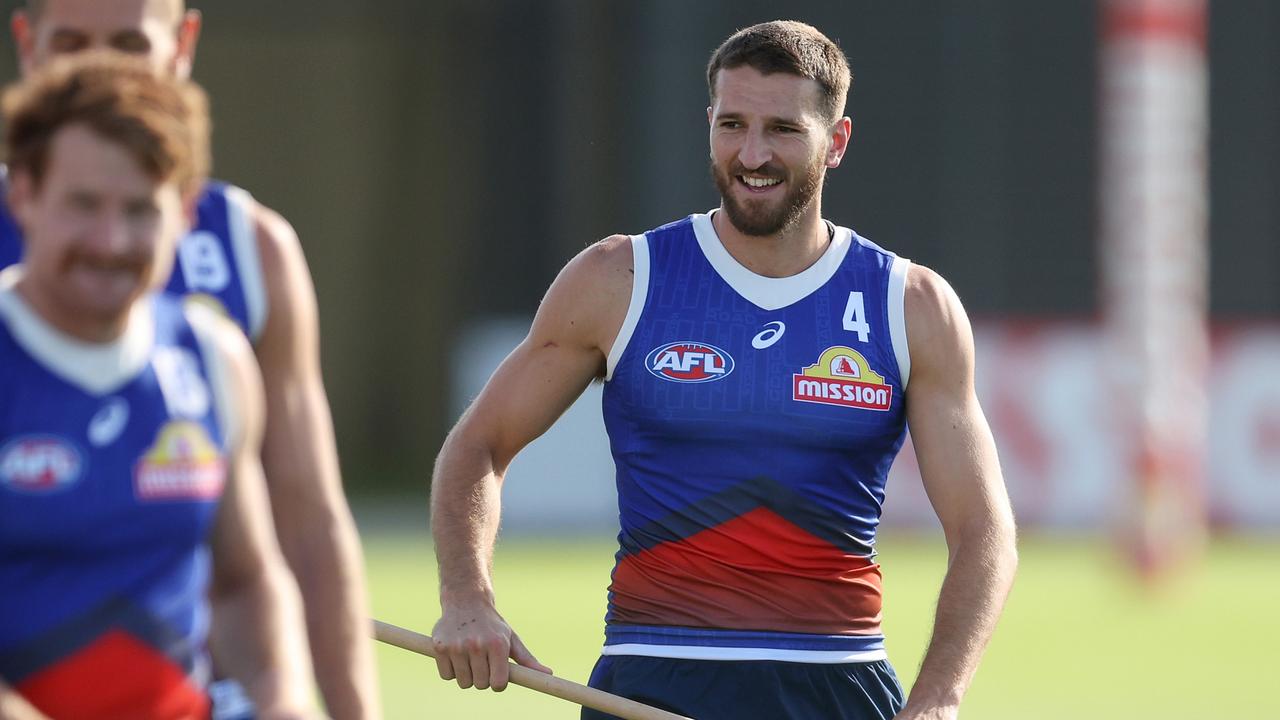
217	261
753	421
112	461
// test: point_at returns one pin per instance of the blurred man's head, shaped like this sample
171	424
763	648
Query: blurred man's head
105	159
162	31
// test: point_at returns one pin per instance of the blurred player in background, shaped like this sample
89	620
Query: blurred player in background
247	260
756	364
130	424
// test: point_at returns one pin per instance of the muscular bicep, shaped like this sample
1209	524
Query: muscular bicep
536	383
954	446
565	350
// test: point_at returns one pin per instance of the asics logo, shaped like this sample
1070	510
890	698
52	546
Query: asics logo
771	333
107	424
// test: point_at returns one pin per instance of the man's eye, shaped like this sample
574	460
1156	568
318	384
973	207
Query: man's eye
82	203
141	211
136	44
67	43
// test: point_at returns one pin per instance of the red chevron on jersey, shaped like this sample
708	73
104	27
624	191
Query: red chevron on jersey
130	681
756	571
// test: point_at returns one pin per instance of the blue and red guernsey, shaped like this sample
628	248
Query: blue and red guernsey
753	422
112	462
218	261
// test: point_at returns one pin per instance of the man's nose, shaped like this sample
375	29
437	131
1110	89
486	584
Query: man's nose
109	233
755	152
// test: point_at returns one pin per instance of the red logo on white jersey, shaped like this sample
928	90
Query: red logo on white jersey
689	362
39	464
842	377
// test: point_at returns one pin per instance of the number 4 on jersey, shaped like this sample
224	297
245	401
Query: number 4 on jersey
855	318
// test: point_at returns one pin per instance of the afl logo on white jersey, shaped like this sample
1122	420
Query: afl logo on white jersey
689	362
39	464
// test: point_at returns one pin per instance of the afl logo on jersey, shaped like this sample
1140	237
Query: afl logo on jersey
842	377
39	464
689	362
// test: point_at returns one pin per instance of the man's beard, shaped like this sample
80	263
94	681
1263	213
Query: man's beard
755	217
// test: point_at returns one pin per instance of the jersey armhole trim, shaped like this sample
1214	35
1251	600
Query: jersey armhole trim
639	294
225	403
244	240
898	317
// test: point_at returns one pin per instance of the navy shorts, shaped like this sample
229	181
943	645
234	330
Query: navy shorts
745	690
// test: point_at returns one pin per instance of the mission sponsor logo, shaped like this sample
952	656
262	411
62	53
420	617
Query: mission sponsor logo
842	377
39	464
689	362
183	464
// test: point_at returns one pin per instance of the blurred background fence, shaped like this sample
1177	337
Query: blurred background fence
442	160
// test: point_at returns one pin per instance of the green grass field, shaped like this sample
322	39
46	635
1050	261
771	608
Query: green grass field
1079	639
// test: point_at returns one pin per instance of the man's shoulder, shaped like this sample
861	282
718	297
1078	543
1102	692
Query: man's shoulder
603	257
927	288
937	324
263	251
221	197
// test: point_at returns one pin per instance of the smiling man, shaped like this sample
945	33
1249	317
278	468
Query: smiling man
756	362
245	259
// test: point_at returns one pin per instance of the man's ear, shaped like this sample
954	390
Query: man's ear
188	38
840	135
21	195
24	41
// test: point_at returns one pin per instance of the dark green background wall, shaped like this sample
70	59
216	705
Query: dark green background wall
441	160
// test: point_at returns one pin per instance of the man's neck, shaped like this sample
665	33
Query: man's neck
784	254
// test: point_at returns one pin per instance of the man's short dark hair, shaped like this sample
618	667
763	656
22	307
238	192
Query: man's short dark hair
791	47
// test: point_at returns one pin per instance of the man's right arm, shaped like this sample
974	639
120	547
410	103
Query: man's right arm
566	348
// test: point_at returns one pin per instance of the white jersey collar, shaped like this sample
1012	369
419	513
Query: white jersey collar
766	292
97	368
